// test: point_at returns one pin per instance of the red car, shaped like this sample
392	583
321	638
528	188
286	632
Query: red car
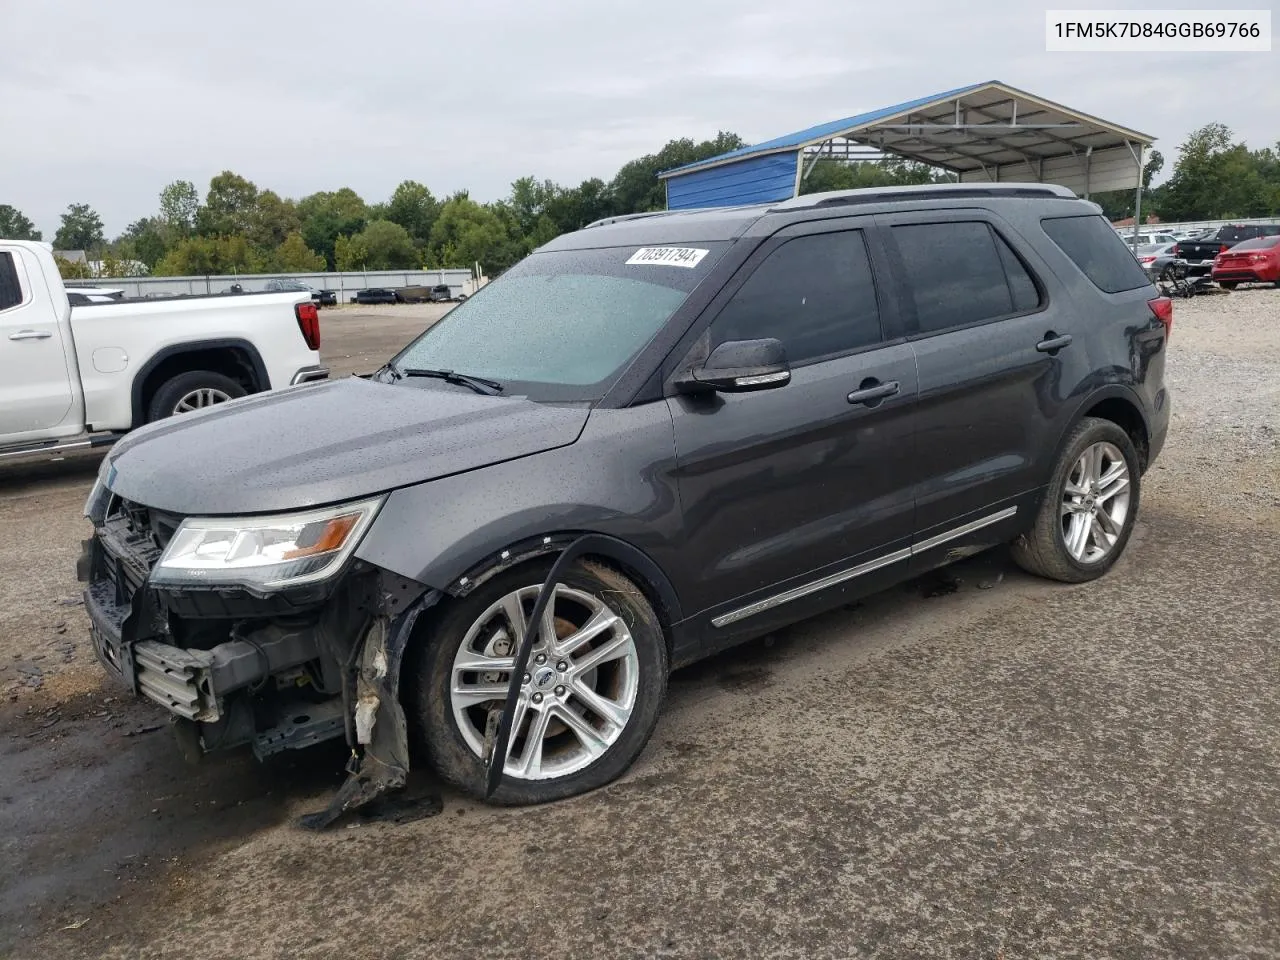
1252	261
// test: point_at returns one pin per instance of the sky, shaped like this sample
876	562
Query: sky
106	103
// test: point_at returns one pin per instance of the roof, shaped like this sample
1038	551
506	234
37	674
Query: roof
709	224
986	131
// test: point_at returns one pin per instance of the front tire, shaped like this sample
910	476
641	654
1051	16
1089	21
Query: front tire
1089	508
590	699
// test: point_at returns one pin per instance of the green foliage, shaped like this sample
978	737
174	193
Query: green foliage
15	226
179	207
1215	178
272	220
893	172
229	206
467	232
413	207
145	240
636	187
81	229
72	269
294	256
121	264
351	252
199	256
326	216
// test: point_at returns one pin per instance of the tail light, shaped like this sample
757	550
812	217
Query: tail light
1162	307
1145	259
309	323
1176	251
1223	249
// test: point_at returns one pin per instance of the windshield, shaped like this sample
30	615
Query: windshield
562	325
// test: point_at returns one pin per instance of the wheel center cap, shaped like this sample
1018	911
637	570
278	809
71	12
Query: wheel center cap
543	677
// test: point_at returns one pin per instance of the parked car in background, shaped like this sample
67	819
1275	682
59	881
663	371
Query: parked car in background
440	293
321	298
78	376
375	295
1154	257
1200	252
1146	239
650	440
1250	261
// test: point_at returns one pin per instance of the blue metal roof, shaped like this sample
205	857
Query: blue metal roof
824	130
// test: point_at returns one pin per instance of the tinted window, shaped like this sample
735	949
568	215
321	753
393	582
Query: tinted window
962	273
1093	246
560	325
1258	243
10	289
815	294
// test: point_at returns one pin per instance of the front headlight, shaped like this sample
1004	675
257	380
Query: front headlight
264	552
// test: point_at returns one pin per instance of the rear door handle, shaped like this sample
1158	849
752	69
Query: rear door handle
31	335
873	392
1052	342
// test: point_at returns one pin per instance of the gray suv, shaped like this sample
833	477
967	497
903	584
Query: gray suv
650	440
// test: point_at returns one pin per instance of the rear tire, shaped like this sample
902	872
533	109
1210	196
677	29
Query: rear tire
1228	284
629	681
192	390
1076	503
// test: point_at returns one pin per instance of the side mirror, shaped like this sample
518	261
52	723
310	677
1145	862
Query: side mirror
738	366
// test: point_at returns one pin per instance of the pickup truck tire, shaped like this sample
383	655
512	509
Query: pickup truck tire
191	390
620	669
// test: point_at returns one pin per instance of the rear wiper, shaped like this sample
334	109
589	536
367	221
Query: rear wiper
490	388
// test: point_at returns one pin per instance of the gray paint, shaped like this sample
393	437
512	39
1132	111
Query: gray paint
329	442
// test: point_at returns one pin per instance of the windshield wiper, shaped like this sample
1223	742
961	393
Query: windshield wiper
490	388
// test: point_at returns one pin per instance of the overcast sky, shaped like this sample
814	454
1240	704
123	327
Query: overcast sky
106	103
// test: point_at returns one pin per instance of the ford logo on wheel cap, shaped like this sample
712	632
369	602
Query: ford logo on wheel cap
543	677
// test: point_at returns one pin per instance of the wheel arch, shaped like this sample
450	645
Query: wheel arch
233	357
625	557
1121	406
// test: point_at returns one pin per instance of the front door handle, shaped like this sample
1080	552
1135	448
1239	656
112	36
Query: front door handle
31	335
872	391
1052	343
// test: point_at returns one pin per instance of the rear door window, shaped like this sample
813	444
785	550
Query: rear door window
960	273
1094	247
814	293
10	287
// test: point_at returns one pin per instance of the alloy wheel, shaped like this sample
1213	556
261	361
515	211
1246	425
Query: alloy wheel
579	691
199	399
1095	502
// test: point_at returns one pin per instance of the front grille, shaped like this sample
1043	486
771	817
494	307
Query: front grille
132	538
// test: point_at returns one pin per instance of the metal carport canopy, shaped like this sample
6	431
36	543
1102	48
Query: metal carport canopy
985	133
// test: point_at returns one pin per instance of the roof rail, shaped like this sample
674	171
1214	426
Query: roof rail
925	191
605	221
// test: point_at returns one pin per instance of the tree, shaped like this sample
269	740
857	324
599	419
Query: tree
351	253
890	172
72	269
382	245
179	207
145	240
81	229
272	220
414	208
15	226
228	206
466	232
636	187
295	256
200	256
325	216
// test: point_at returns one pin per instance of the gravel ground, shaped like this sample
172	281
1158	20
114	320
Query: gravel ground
1012	769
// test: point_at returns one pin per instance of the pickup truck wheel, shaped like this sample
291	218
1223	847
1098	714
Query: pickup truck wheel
588	703
193	390
1089	508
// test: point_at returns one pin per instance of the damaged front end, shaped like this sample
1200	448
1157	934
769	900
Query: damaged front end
256	631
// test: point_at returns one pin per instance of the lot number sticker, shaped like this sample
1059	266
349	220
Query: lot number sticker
668	256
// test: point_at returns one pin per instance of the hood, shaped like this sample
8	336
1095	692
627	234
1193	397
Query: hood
328	442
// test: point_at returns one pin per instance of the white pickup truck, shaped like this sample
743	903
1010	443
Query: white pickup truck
80	376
